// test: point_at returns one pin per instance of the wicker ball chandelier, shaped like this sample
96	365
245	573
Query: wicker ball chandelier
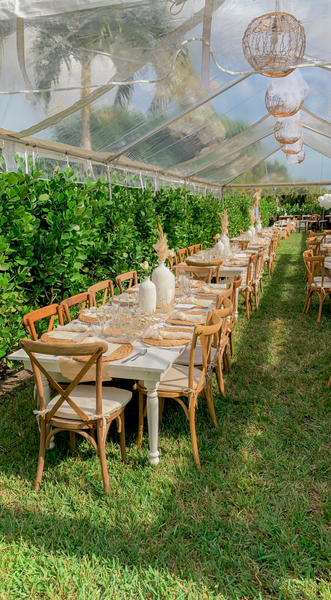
288	131
274	41
296	159
293	148
285	97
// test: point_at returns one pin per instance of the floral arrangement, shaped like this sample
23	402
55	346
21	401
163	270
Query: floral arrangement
161	246
225	221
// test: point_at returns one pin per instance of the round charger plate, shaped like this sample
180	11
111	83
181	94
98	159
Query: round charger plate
122	351
188	323
168	343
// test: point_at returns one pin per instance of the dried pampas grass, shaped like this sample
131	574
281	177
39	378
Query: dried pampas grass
161	246
252	216
225	221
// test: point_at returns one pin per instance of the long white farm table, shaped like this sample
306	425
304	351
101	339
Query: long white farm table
151	368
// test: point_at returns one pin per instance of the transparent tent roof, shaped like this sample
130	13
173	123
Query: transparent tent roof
158	89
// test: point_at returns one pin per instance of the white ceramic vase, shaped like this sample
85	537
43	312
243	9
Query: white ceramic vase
147	296
226	243
249	234
219	248
164	281
258	228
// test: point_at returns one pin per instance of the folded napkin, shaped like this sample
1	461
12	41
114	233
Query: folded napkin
178	315
198	301
77	327
158	334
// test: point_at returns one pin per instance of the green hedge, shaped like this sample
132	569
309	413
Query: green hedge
58	236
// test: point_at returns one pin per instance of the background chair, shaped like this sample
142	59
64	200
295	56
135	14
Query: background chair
78	409
201	273
52	311
130	276
317	281
182	254
85	298
191	250
246	288
106	286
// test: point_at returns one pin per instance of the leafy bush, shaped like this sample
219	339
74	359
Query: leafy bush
59	236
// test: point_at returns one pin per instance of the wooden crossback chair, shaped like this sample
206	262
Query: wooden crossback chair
186	382
182	254
52	311
106	286
85	298
207	263
200	273
222	359
317	281
269	256
191	250
243	245
314	244
236	286
197	248
130	276
80	409
246	287
257	276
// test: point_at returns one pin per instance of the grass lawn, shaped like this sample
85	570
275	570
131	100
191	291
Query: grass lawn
254	524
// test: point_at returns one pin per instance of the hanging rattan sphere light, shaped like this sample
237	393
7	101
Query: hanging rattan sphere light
288	131
274	41
285	97
293	148
296	159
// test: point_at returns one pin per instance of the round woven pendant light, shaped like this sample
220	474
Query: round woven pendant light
296	159
288	131
293	148
274	41
285	97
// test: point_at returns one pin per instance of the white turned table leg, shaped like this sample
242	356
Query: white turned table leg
153	420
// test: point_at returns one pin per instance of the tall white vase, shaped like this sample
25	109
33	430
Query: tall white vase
226	243
219	248
258	228
249	234
147	296
164	281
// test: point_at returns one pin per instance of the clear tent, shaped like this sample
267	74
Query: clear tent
154	91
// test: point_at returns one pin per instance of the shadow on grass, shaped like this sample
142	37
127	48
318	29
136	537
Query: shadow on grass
254	523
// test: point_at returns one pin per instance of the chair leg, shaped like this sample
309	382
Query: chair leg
122	438
247	305
256	296
306	303
219	376
320	308
227	358
103	460
72	441
261	285
210	403
231	343
140	419
194	436
41	459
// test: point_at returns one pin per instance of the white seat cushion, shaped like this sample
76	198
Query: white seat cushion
184	358
176	380
318	281
113	399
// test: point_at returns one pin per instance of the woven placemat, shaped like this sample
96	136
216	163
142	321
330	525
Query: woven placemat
168	343
122	351
87	318
188	323
48	339
199	284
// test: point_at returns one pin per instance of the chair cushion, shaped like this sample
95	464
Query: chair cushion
176	379
318	281
113	399
184	358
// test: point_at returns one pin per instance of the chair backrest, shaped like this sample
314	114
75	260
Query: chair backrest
225	313
130	276
33	317
200	273
314	267
191	250
243	245
83	298
259	265
197	248
240	231
206	335
93	351
222	294
251	269
314	245
106	286
182	254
